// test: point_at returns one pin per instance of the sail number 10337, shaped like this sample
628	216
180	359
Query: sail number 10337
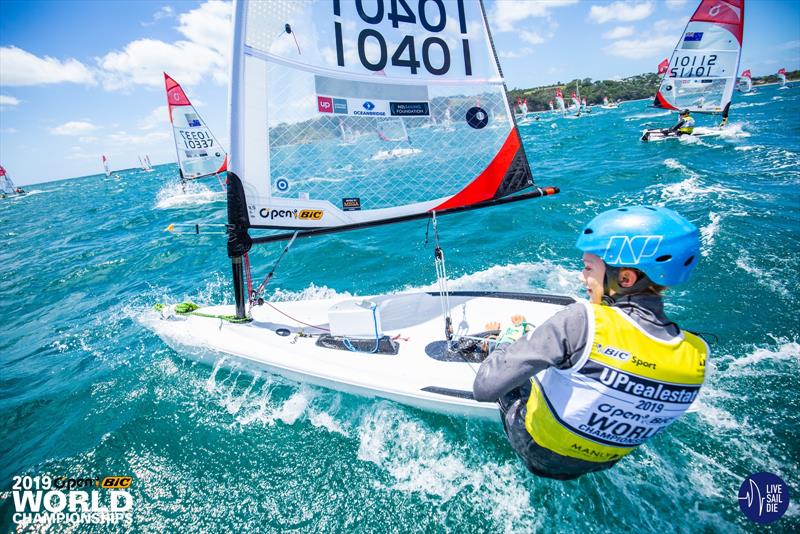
433	51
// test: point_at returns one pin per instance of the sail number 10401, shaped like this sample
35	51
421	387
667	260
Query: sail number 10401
434	51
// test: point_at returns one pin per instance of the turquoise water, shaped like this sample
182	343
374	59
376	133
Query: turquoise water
88	391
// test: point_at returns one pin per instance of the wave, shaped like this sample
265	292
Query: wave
395	153
649	115
709	232
173	195
767	278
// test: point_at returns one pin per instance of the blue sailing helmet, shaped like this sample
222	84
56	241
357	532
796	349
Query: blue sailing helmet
657	241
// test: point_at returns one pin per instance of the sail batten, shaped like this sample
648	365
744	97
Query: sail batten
340	118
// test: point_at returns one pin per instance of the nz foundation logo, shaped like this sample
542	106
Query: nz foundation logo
46	500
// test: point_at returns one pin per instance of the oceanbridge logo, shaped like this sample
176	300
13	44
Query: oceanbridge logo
47	500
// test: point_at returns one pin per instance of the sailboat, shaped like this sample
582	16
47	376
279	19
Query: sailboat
199	152
782	78
701	76
144	163
421	348
106	168
608	105
560	101
7	186
746	83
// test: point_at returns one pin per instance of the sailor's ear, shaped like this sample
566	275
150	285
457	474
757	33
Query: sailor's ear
627	277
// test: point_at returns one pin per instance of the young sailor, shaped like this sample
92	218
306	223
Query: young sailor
599	378
685	125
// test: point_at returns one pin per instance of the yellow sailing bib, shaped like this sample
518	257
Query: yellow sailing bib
626	387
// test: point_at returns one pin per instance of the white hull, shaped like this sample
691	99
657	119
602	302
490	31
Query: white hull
421	374
702	131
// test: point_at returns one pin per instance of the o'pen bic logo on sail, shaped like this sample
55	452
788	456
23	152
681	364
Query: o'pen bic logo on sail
47	500
763	497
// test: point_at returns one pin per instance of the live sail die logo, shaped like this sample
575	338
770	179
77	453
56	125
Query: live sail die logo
61	500
763	497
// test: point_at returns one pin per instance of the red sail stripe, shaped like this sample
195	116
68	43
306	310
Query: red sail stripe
224	166
661	102
727	13
486	184
175	94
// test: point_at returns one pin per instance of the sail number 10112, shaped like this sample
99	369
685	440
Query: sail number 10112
434	51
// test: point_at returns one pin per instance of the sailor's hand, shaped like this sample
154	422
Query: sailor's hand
517	320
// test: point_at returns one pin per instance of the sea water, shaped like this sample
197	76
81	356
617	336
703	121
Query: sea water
88	391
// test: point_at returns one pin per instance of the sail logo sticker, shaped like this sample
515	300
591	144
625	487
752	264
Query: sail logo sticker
313	215
693	36
325	104
282	184
369	106
351	204
303	214
340	105
630	250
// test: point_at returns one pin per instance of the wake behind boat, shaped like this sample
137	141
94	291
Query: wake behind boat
421	349
702	74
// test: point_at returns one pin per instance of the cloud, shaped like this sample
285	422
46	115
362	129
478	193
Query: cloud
789	45
124	139
651	46
517	53
619	32
6	100
88	139
205	52
507	13
675	4
622	11
530	37
158	118
73	128
8	130
22	68
163	13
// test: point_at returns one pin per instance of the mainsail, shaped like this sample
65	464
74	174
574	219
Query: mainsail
105	166
304	71
199	152
576	101
746	82
7	186
560	100
663	67
701	75
782	77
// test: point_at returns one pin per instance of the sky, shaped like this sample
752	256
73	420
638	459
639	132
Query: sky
79	79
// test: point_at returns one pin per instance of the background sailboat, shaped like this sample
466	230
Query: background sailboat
701	75
106	167
7	186
199	152
782	78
